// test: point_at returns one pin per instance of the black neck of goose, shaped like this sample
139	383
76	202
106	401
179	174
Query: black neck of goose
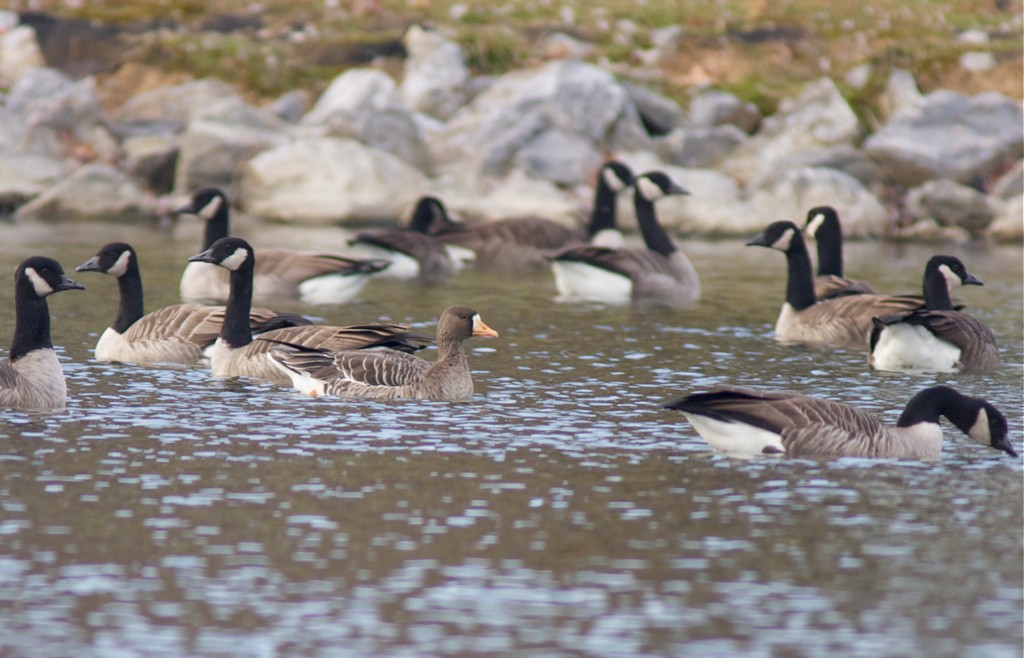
654	235
602	218
130	286
236	331
936	291
830	249
800	281
929	404
31	322
216	226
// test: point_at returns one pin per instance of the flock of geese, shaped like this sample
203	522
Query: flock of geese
379	361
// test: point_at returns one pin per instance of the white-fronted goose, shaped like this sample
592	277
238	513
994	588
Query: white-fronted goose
823	224
749	422
843	320
385	374
522	244
312	276
936	337
174	334
31	377
413	252
236	354
659	274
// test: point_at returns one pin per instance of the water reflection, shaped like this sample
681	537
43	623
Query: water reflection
560	512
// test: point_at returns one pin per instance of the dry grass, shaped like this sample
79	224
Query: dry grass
761	50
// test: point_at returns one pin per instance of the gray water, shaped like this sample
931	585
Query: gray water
561	512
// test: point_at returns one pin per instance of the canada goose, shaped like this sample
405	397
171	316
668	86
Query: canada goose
174	334
236	354
32	378
823	225
745	421
522	244
844	320
658	274
314	277
385	374
936	337
413	252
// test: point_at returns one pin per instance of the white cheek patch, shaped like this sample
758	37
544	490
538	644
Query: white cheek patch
235	260
782	244
210	209
121	265
476	322
979	430
40	285
952	279
815	223
612	180
649	189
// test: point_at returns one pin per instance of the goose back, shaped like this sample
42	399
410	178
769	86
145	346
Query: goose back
385	374
313	276
740	420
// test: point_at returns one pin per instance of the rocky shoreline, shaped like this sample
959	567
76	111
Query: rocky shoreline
939	166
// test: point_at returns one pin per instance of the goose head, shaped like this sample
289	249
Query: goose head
458	323
230	253
114	258
778	235
206	203
616	175
429	215
821	217
654	185
43	276
952	270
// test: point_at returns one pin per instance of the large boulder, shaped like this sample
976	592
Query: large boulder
24	176
950	204
325	180
220	138
364	104
521	110
435	78
818	117
949	135
168	108
95	192
53	115
794	191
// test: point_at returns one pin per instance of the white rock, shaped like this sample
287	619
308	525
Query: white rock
19	52
95	192
1008	226
322	180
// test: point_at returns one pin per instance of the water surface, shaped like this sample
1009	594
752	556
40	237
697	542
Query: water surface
561	512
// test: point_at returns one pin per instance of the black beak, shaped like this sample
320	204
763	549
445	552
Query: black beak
91	265
758	241
205	257
972	280
68	284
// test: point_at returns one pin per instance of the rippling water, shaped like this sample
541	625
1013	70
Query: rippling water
561	512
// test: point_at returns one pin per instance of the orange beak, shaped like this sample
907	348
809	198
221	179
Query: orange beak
480	328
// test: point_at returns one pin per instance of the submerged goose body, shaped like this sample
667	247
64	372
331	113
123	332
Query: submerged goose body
658	273
236	354
748	422
385	374
841	320
523	244
314	277
179	333
31	378
937	337
823	224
